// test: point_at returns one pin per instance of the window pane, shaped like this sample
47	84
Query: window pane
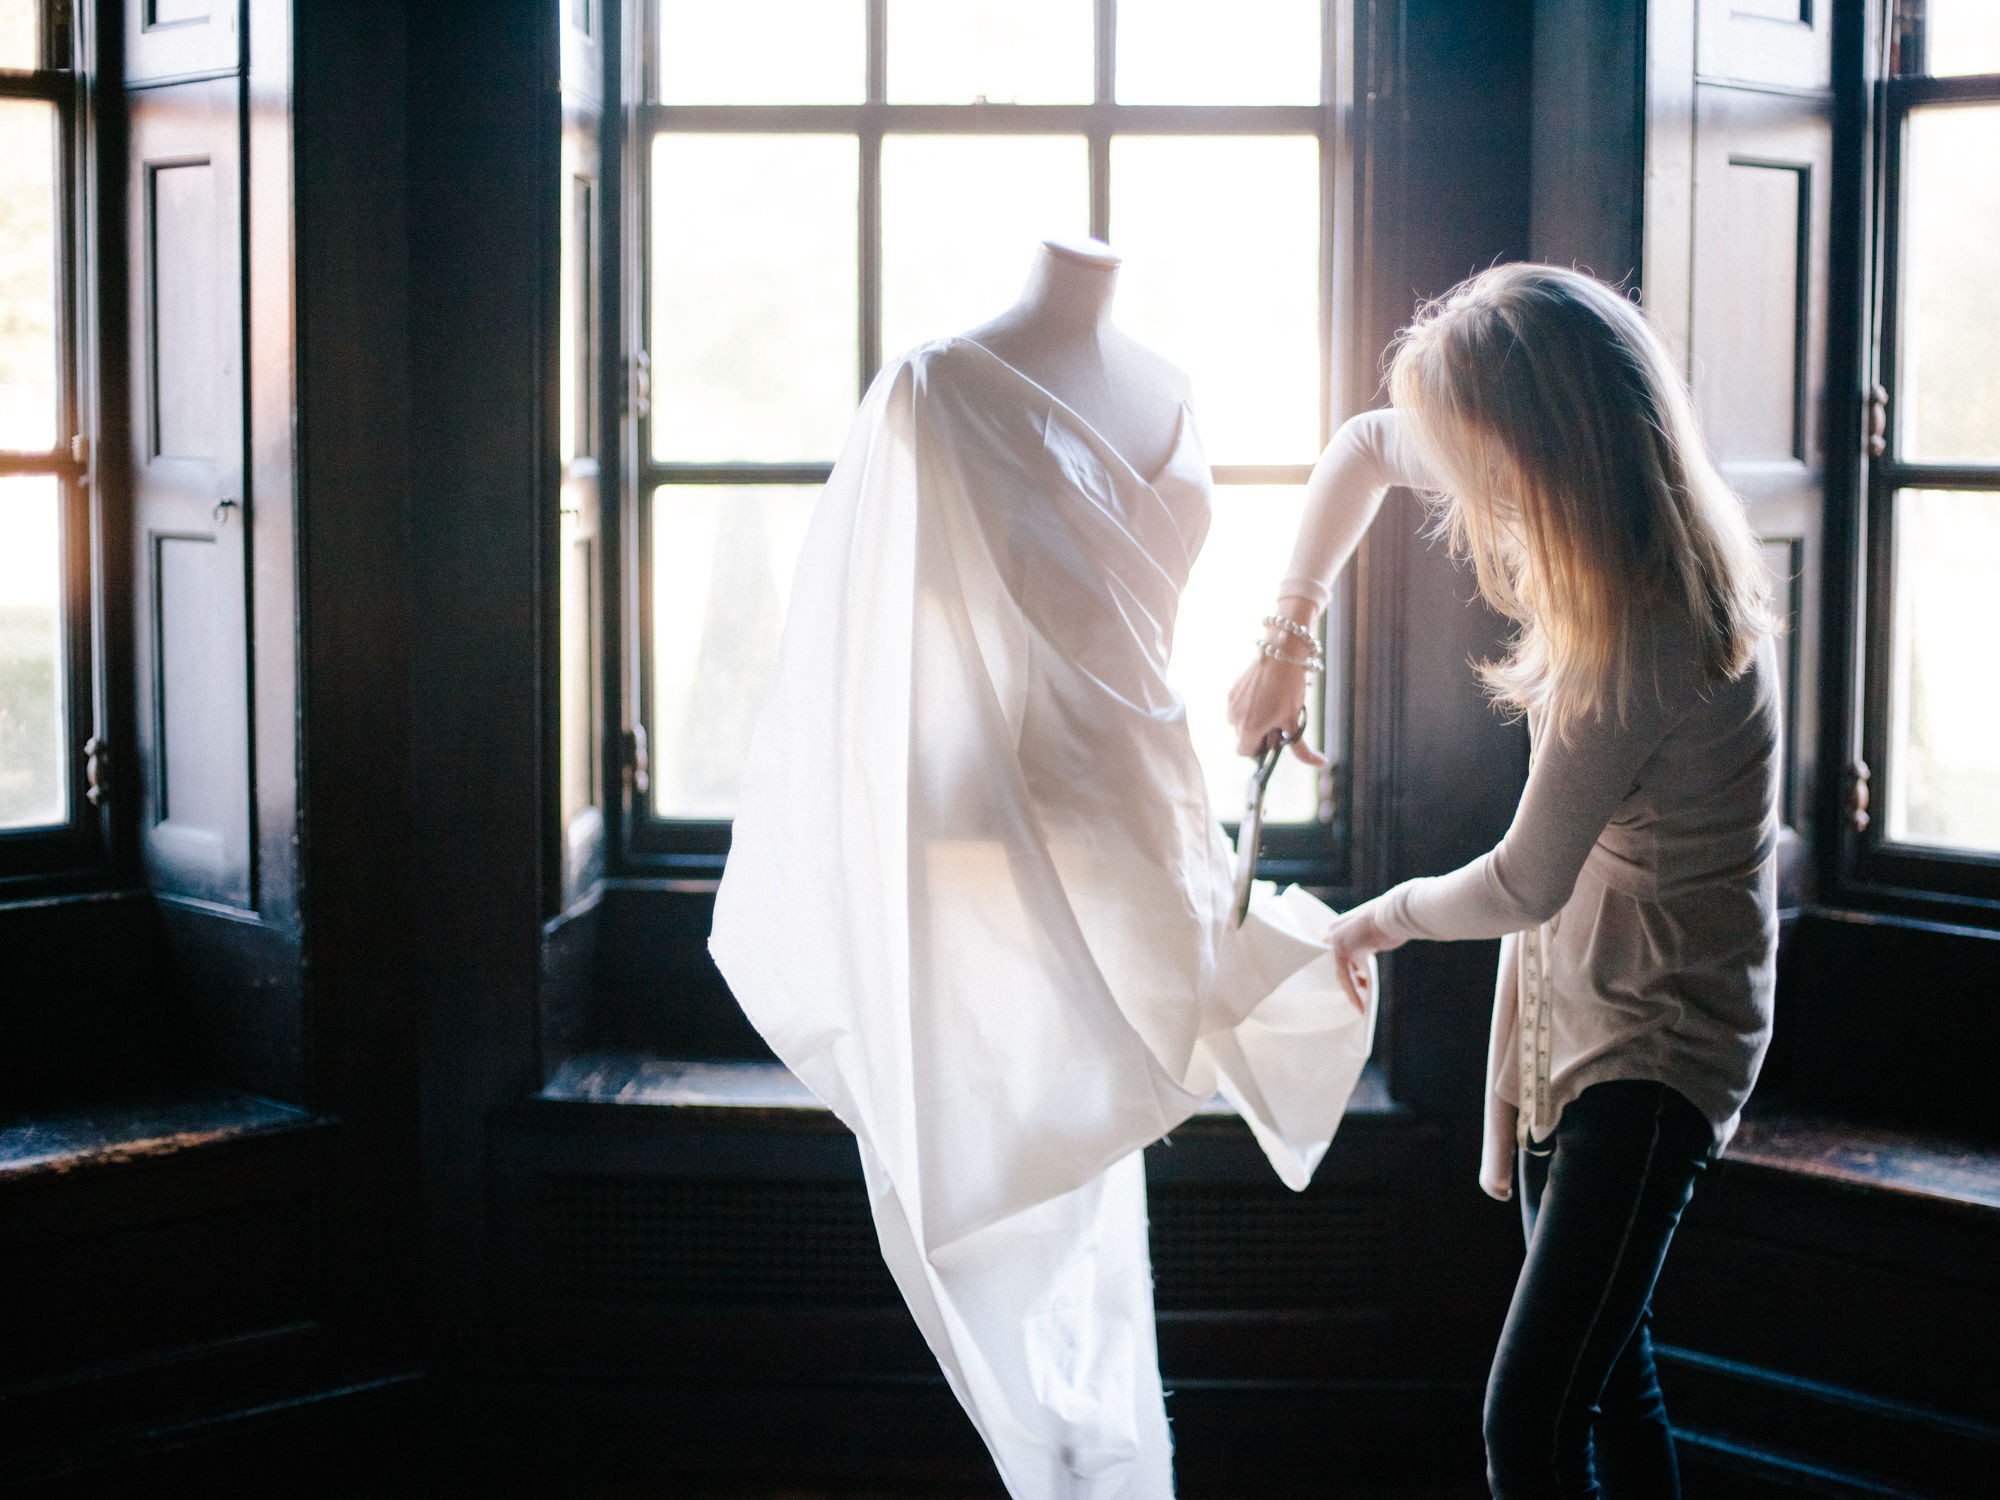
1221	275
1950	397
1199	52
722	570
961	217
762	52
33	781
20	33
1961	36
1002	51
754	317
1944	717
27	275
1229	591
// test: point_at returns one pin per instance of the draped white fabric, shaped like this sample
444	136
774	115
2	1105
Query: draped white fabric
976	899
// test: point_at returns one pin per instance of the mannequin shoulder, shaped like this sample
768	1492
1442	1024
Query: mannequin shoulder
1142	368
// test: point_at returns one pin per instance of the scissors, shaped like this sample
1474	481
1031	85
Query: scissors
1252	831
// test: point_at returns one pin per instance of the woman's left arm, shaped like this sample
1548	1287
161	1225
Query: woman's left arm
1573	789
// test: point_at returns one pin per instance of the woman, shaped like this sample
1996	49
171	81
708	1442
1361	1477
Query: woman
1635	889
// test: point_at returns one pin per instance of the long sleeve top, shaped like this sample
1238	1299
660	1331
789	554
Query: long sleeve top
1636	888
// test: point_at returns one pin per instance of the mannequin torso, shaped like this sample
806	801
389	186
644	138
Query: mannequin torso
1060	336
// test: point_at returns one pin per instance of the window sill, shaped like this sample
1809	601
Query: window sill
58	1142
1869	1158
642	1079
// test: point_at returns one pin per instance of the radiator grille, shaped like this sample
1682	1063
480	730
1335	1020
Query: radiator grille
704	1243
1231	1248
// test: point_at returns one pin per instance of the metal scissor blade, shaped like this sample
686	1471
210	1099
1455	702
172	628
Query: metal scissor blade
1251	833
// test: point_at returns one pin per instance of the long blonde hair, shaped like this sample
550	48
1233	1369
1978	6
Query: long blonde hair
1575	478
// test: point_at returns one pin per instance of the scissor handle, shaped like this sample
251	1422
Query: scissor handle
1267	757
1279	738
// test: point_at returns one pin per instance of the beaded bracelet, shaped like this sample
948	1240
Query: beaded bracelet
1312	664
1293	629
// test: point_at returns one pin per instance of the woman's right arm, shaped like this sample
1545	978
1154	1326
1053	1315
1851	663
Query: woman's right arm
1366	458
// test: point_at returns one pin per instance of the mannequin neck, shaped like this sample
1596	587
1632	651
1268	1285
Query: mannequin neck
1070	289
1061	337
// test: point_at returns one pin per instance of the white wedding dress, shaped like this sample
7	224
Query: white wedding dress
977	901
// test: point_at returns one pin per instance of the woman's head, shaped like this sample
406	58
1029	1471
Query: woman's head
1575	478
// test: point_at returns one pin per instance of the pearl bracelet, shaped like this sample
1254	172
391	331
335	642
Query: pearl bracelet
1293	629
1312	664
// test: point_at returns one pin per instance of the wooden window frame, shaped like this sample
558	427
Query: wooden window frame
1955	885
1310	853
77	850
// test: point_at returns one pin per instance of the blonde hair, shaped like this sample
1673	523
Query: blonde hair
1575	479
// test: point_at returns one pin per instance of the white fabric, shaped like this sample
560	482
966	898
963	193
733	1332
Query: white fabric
977	902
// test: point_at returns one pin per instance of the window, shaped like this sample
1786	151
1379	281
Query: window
1933	722
827	185
48	817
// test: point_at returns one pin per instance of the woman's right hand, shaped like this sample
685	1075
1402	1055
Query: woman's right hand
1269	697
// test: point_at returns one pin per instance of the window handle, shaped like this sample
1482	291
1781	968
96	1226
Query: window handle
1857	796
635	757
1878	422
96	770
222	509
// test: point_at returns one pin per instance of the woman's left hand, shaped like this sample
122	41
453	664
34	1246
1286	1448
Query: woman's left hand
1353	936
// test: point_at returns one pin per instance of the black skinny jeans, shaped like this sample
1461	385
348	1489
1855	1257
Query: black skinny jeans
1573	1405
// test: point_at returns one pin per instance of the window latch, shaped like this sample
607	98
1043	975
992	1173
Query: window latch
1857	796
1878	421
635	757
96	770
642	383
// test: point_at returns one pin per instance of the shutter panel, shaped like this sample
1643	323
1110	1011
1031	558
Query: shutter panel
189	502
1739	176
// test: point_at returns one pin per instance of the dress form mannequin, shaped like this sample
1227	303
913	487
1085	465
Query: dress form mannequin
976	900
1061	337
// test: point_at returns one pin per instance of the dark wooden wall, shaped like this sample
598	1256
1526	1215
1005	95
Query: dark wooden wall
482	228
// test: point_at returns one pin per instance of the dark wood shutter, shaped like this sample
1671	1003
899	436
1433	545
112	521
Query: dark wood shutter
1739	152
189	499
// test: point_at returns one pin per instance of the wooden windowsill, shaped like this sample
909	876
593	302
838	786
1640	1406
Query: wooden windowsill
1868	1157
639	1078
68	1140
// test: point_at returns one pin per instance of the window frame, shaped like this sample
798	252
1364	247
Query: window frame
1961	885
79	847
1311	853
